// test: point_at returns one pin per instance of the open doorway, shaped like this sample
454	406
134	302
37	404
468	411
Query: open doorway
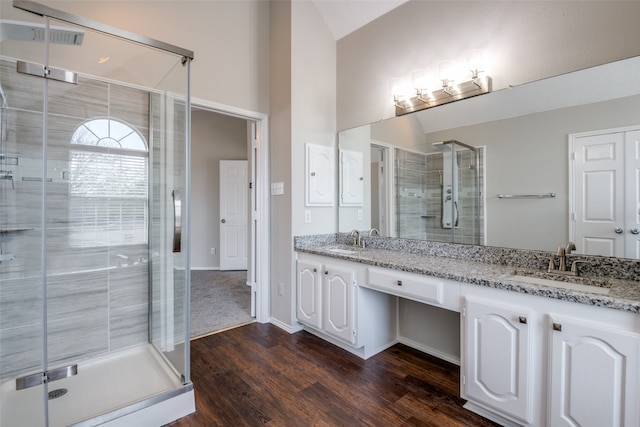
223	298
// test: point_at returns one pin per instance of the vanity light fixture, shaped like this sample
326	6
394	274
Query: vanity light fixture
421	98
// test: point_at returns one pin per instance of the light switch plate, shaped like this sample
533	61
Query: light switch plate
277	188
307	217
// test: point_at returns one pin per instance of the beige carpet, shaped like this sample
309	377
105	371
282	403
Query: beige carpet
219	300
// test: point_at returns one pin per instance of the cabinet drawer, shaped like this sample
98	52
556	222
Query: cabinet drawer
413	286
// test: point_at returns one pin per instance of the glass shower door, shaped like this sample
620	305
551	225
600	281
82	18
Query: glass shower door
116	209
22	269
169	321
466	208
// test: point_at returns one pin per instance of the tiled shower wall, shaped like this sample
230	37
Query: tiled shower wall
97	298
419	197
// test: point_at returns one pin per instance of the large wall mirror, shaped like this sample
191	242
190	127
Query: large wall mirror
530	167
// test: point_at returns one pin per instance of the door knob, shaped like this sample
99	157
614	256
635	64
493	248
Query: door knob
224	220
618	230
635	231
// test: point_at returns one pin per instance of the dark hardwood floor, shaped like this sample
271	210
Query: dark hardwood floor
258	374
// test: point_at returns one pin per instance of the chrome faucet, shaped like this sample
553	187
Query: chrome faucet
563	259
354	237
562	267
374	232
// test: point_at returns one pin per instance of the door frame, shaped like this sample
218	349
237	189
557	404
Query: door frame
572	184
259	241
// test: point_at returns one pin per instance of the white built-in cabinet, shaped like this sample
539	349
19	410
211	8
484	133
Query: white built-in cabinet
524	365
525	360
319	175
498	357
309	293
339	285
593	374
325	299
330	304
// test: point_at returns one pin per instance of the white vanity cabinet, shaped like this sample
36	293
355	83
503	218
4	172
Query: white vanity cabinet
525	365
330	303
325	298
339	284
498	343
593	374
309	293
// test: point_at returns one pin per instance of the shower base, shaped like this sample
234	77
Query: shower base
135	385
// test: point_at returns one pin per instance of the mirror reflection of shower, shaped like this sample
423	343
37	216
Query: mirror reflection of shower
439	193
449	184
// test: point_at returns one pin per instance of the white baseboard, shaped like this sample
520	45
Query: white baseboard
430	350
204	268
292	329
490	415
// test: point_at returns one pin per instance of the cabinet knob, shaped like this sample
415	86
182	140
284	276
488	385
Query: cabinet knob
315	270
557	326
522	319
326	272
399	283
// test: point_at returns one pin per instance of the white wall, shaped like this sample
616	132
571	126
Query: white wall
214	137
522	41
280	162
229	38
302	110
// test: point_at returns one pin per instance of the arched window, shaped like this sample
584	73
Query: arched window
108	184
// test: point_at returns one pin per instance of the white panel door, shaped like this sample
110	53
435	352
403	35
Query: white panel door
593	374
497	357
234	218
632	194
599	194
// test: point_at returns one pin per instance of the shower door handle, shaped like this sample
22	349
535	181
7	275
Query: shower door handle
177	220
456	213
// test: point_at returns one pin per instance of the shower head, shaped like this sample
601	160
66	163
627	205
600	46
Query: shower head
29	31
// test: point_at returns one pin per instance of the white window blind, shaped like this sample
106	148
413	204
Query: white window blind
108	196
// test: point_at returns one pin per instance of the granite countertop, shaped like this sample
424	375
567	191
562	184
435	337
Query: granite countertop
623	294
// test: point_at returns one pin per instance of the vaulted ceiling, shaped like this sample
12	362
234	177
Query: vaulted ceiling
345	16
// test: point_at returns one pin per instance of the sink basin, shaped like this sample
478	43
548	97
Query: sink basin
342	251
559	284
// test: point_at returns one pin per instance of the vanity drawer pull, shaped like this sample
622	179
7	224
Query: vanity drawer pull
557	326
399	282
522	319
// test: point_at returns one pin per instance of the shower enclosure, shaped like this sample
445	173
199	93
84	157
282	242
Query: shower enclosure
94	278
439	195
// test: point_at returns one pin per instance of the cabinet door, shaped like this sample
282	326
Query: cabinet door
497	357
593	375
309	294
320	175
351	178
339	313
